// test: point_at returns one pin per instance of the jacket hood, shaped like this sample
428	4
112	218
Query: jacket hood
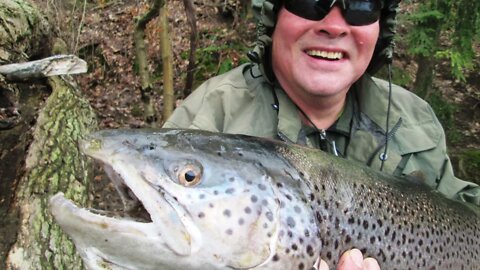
266	12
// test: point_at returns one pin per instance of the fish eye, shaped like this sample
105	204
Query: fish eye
190	175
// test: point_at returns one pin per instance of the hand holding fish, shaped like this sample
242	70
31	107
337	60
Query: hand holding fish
352	260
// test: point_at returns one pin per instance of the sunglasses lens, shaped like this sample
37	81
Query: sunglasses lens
308	9
361	12
356	12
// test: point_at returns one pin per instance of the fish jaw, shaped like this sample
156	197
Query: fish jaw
113	237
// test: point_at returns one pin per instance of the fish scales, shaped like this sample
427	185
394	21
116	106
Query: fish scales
403	224
220	201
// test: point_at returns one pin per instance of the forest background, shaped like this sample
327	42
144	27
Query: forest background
436	56
130	71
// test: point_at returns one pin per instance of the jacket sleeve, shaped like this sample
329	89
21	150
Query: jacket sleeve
449	184
434	163
456	188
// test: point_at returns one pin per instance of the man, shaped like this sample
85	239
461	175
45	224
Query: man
311	84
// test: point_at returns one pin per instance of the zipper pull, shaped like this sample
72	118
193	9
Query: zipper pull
323	134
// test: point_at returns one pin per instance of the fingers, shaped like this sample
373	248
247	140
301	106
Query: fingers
353	260
370	264
323	265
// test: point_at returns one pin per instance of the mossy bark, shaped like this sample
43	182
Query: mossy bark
38	147
24	31
54	164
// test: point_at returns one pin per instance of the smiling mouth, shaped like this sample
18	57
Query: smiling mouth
332	56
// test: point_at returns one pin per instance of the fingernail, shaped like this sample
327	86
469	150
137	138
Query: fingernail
356	256
371	264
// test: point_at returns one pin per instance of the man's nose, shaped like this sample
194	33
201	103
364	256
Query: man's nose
334	24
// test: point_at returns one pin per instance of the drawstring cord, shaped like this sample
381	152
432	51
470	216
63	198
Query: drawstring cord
384	155
321	132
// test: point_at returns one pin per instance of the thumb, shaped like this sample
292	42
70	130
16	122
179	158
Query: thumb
351	260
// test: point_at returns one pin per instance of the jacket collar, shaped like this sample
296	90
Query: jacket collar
372	101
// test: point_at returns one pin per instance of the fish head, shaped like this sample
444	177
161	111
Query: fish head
212	203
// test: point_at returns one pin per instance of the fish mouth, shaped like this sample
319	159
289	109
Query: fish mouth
145	204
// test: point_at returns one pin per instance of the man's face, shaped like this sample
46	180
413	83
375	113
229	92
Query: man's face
320	58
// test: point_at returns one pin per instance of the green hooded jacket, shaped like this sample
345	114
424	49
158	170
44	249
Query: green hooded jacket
242	101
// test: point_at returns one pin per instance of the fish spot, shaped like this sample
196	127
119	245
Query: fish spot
264	202
241	221
290	222
262	187
201	196
229	190
297	209
254	198
231	179
301	266
248	210
365	224
227	213
201	215
348	239
275	258
351	220
310	251
229	231
269	216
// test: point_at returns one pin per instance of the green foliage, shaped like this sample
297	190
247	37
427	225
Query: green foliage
458	62
450	19
137	111
423	40
217	59
470	164
445	112
399	75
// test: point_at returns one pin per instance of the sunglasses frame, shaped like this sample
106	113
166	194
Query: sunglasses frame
313	10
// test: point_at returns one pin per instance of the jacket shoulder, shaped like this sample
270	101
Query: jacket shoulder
224	103
420	129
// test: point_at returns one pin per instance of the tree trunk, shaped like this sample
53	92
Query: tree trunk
167	60
190	11
53	164
424	76
150	113
38	156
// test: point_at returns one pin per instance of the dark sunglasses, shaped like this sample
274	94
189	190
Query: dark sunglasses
355	12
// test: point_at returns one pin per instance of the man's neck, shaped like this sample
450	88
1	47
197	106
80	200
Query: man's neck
321	112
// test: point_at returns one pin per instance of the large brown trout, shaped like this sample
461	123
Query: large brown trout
219	201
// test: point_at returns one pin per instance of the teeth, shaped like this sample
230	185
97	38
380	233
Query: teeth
325	54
